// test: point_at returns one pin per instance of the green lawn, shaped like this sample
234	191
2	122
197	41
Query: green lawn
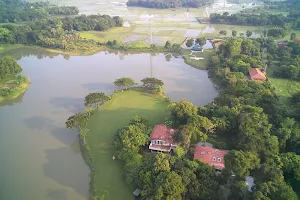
284	88
103	126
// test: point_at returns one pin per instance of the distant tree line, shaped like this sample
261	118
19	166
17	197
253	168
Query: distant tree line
262	19
286	6
168	3
21	11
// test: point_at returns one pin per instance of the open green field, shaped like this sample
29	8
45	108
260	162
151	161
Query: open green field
284	88
103	126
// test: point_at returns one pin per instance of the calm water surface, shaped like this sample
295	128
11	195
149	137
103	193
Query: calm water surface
40	158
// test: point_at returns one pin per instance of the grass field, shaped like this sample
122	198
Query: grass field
284	88
103	126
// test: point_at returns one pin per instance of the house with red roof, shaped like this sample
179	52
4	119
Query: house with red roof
257	74
161	139
282	44
297	40
211	156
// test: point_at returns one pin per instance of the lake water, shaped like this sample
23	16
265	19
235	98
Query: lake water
40	158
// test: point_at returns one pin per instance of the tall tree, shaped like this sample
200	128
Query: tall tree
97	99
124	82
234	33
201	41
223	32
293	36
241	163
248	33
152	82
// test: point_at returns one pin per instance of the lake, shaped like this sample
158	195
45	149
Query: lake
40	158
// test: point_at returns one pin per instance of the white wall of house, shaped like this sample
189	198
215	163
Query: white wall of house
160	142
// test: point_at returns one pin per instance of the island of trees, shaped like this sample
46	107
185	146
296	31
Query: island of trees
12	84
169	3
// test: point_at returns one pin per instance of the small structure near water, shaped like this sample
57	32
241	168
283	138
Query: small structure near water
137	192
197	47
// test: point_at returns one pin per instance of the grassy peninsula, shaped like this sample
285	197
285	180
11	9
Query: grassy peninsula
97	130
12	84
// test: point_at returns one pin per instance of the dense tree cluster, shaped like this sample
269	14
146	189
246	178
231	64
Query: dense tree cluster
262	19
169	3
261	135
161	176
236	55
21	11
53	31
63	10
9	67
289	60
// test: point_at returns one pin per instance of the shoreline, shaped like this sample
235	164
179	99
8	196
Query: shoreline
17	91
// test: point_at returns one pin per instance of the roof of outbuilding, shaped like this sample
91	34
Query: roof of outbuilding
211	156
257	74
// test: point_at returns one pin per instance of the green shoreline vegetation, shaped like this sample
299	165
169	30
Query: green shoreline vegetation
12	84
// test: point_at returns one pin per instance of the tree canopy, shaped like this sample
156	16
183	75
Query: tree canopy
124	82
9	67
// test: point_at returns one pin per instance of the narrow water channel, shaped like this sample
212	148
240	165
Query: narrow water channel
40	158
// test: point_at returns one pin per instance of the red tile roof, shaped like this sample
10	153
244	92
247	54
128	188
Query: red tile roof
162	132
257	74
211	156
297	40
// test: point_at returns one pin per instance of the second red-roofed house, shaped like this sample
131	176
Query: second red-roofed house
211	156
257	74
161	139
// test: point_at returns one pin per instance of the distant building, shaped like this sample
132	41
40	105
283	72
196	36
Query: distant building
257	74
282	44
250	182
211	156
161	139
197	47
297	40
126	24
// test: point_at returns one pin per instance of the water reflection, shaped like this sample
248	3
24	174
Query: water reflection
41	53
11	102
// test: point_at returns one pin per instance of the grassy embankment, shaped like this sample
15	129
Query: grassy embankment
14	86
107	174
284	88
198	64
